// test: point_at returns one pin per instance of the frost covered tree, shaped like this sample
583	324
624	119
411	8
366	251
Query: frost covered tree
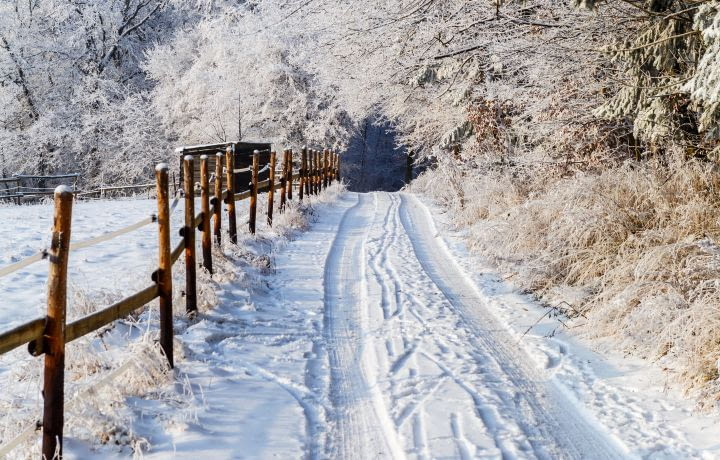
477	81
662	80
235	76
72	87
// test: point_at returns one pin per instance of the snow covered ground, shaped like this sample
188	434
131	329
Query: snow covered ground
373	334
26	230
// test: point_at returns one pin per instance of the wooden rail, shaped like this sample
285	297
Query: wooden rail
48	335
19	336
107	315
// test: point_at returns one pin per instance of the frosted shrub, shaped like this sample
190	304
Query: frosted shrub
640	242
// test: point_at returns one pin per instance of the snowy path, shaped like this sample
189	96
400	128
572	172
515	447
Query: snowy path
373	340
509	393
412	328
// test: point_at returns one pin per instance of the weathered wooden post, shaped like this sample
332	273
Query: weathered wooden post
321	166
323	155
334	166
205	207
188	234
271	192
308	172
303	173
320	170
230	199
290	176
217	200
339	176
254	191
311	172
316	172
163	277
283	181
54	336
329	167
326	167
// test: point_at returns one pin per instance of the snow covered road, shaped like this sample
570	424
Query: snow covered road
375	337
417	363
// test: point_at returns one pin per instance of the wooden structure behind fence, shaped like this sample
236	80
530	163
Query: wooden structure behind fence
48	335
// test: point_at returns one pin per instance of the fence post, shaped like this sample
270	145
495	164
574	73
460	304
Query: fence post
230	199
217	200
323	155
290	178
205	207
163	276
188	234
283	181
339	176
326	167
303	172
271	192
309	173
316	172
254	191
331	167
335	166
320	171
336	158
54	336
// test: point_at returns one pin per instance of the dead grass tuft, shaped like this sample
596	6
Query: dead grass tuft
639	240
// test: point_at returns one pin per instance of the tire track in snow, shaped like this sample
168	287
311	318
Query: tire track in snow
422	343
361	426
555	427
392	286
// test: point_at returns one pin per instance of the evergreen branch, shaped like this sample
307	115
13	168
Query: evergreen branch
630	50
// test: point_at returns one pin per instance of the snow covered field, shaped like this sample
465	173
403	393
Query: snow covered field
119	266
373	334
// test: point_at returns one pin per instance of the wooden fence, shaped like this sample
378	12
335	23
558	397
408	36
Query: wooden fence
17	189
48	335
23	187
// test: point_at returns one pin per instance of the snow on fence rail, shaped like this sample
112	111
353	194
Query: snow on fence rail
49	335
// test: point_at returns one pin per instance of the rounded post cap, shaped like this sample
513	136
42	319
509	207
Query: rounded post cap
256	152
203	157
62	190
188	158
161	167
219	154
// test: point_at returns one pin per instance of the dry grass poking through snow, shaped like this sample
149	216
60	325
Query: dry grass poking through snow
637	246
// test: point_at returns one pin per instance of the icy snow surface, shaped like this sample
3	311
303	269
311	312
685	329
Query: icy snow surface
376	335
